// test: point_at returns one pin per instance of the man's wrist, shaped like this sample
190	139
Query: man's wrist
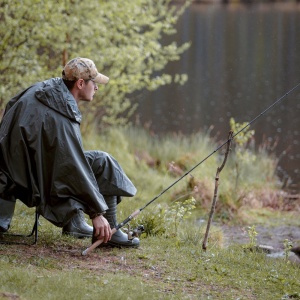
94	215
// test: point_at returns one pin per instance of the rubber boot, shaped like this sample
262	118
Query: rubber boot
78	227
119	238
7	209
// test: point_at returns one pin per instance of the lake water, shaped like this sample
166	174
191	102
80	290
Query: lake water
242	59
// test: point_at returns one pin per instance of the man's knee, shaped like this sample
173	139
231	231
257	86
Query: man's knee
100	160
110	176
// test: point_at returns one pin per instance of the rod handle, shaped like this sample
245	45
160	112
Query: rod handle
95	244
99	242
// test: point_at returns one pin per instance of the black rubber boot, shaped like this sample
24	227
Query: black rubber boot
6	213
119	238
78	227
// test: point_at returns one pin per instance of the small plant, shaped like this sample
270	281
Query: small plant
288	245
252	236
153	221
178	212
165	220
243	154
243	137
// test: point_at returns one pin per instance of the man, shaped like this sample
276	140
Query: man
42	161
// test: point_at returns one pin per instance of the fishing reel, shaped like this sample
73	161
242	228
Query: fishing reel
132	233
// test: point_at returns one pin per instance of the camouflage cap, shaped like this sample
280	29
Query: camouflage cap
83	68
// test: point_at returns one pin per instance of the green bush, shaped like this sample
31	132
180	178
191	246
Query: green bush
123	37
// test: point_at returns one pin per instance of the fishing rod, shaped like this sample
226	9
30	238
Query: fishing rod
135	213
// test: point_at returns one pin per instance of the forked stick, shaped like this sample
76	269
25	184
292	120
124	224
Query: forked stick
213	206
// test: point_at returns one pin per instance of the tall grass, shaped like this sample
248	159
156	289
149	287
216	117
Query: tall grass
154	163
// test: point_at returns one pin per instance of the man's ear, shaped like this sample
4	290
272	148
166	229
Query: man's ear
79	83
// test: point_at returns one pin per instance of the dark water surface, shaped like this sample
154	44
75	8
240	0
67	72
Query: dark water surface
242	59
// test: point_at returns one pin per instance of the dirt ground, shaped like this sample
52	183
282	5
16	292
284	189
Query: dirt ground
71	258
272	237
269	236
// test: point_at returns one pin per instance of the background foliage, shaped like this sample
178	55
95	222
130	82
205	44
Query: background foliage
122	37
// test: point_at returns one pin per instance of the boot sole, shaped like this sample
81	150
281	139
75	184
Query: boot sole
116	245
77	235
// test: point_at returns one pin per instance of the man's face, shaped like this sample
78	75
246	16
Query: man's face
88	90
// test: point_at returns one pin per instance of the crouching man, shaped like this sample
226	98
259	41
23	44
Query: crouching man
43	163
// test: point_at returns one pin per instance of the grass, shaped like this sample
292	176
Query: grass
162	268
170	263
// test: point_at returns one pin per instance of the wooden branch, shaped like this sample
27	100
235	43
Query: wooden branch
213	206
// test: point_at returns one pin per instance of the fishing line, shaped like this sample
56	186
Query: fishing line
242	129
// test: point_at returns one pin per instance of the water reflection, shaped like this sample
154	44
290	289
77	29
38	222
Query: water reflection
242	59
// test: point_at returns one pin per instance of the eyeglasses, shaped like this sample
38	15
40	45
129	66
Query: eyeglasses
95	84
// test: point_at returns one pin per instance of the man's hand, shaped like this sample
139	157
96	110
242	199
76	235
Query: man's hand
102	229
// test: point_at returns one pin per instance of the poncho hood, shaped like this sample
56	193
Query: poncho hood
54	94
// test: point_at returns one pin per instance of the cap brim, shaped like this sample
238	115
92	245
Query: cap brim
100	78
